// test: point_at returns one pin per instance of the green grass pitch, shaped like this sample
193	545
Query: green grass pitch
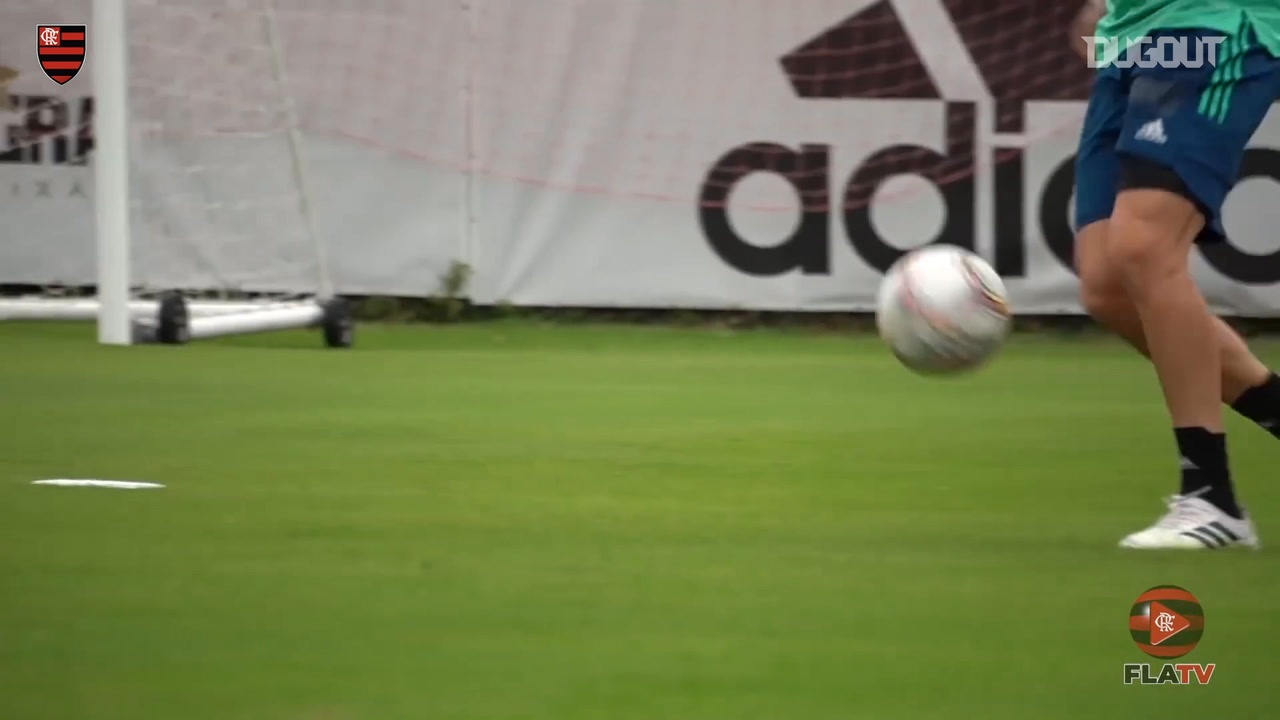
515	521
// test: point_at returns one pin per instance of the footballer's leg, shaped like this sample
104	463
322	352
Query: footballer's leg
1248	385
1097	166
1184	135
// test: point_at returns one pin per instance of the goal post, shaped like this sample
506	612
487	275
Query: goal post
111	171
182	251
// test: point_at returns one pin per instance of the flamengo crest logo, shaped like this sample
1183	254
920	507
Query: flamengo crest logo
61	49
1167	622
1021	51
49	130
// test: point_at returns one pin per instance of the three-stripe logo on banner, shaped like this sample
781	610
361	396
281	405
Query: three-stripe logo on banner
61	49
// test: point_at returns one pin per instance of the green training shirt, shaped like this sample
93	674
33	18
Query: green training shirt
1131	19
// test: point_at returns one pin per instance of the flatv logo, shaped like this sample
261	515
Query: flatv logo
1167	622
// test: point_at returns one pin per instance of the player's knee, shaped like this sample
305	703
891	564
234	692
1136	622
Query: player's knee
1153	223
1149	239
1101	293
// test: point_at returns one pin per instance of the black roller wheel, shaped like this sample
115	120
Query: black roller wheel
173	322
338	326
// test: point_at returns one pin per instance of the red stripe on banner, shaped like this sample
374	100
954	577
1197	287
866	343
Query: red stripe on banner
60	78
61	64
62	51
72	36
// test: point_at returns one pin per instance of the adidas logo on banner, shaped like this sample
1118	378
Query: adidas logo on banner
1152	132
976	165
996	197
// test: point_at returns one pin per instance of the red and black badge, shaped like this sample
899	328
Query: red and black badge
61	49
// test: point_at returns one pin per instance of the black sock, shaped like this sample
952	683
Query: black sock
1261	404
1204	468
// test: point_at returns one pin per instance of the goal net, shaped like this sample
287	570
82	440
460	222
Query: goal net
775	134
284	151
180	125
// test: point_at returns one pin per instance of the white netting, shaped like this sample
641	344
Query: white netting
416	114
219	201
215	192
696	73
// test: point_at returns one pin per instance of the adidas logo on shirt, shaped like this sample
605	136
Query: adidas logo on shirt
1152	132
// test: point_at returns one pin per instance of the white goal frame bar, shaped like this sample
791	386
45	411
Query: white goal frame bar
111	169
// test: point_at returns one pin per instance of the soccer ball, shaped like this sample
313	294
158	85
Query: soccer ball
942	309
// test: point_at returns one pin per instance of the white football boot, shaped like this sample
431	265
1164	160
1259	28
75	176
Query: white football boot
1194	524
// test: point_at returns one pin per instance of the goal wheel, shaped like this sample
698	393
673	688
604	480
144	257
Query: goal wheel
337	324
173	321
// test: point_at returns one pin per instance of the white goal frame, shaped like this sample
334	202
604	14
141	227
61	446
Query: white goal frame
121	319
